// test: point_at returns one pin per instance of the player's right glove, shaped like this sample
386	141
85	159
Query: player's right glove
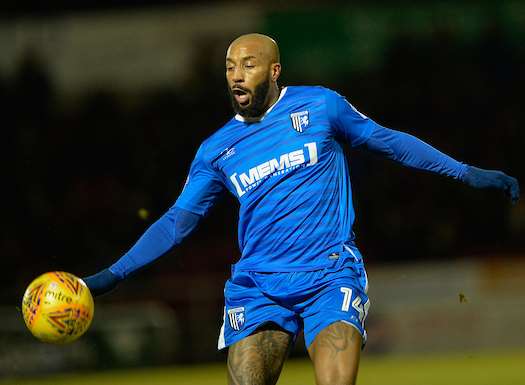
480	178
101	282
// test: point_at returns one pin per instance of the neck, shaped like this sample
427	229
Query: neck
273	96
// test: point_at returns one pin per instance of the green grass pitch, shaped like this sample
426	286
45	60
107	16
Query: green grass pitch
496	368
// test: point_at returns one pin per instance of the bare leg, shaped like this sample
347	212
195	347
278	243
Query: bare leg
258	358
335	353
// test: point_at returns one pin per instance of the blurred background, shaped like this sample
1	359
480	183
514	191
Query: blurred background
103	105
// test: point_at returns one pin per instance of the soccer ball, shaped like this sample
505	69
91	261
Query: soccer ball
57	307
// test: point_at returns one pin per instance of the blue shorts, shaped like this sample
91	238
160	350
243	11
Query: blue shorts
302	300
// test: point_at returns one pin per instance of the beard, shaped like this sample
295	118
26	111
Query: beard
257	107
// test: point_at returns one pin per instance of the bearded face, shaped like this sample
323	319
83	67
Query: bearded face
248	103
252	70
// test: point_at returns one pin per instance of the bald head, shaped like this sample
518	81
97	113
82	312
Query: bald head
266	46
252	70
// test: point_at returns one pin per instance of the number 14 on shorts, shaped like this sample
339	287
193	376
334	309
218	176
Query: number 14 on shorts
357	304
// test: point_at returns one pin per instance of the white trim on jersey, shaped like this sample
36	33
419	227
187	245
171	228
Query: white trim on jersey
242	119
366	284
356	110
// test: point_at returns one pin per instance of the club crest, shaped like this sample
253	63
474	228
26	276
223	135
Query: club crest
237	318
300	120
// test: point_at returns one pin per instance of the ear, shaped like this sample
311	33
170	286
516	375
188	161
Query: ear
275	71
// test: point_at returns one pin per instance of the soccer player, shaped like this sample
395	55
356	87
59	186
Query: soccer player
281	155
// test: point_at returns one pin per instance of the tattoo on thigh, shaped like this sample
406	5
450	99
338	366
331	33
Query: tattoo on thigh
336	338
258	359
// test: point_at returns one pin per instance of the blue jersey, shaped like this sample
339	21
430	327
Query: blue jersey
290	176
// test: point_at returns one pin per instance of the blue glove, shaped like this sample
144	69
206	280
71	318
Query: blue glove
480	178
101	282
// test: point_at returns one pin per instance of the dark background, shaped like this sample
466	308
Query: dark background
84	177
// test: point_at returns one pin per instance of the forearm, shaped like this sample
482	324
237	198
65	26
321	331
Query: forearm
412	152
168	231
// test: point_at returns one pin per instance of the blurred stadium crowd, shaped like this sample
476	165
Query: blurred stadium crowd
86	172
84	177
78	172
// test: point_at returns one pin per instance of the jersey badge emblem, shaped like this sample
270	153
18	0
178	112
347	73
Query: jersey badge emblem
300	120
237	318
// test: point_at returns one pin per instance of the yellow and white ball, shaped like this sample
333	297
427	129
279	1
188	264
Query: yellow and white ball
57	307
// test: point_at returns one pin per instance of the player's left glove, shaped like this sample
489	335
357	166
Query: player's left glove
480	178
101	282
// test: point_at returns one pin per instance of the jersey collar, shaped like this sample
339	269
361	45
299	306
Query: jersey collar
242	119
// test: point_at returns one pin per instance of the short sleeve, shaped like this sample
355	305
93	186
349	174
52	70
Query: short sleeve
203	185
348	123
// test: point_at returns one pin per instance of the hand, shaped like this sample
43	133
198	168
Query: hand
480	178
101	282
